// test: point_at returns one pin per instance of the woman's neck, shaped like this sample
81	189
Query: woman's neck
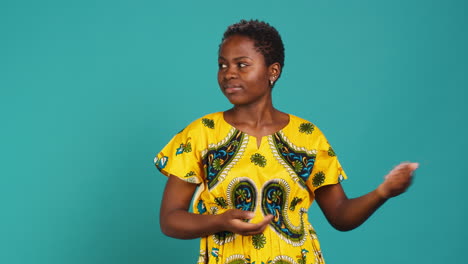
257	114
256	120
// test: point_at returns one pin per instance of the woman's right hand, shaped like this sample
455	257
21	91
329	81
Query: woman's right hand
176	220
233	220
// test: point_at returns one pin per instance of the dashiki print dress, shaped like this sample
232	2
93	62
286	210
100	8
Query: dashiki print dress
277	178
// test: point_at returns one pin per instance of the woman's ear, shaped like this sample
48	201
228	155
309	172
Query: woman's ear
275	72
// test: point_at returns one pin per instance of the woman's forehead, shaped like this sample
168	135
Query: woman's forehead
238	46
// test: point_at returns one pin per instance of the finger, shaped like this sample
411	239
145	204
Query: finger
265	222
268	218
408	170
240	214
262	224
402	170
401	167
246	229
409	165
252	229
395	171
413	166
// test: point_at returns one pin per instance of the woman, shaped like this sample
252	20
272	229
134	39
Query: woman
253	171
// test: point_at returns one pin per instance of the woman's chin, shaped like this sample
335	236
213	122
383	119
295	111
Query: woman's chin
235	100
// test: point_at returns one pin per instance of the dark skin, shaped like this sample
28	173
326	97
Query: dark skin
246	81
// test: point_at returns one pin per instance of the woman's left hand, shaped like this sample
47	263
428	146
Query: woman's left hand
397	180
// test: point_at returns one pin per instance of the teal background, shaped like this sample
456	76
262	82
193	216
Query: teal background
90	91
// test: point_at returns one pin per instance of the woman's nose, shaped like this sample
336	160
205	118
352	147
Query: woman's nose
231	73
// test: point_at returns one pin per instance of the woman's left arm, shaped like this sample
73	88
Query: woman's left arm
346	214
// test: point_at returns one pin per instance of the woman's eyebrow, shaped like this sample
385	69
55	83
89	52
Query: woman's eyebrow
242	57
236	59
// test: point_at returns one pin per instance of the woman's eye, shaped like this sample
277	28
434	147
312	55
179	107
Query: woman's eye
242	65
222	65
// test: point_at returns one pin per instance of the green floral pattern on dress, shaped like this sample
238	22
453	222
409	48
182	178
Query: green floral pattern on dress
221	202
208	123
331	152
190	173
241	194
276	196
258	160
294	202
258	241
306	128
249	261
217	163
319	179
184	147
297	165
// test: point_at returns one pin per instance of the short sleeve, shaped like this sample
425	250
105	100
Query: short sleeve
327	169
181	157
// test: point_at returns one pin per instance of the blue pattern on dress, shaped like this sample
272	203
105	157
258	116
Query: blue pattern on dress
215	160
295	159
274	203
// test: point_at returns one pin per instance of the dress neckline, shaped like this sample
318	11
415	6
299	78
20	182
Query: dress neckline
245	133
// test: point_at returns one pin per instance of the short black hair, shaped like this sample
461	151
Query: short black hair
266	38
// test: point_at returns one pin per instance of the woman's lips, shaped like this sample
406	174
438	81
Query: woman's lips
232	89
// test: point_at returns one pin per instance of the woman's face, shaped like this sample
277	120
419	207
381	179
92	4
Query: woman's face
243	76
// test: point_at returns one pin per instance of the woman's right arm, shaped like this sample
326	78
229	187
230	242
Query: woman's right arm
176	221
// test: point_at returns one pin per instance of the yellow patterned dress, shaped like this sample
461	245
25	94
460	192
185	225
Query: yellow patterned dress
277	178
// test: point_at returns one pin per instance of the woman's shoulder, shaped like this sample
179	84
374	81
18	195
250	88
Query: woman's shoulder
206	122
303	126
297	119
